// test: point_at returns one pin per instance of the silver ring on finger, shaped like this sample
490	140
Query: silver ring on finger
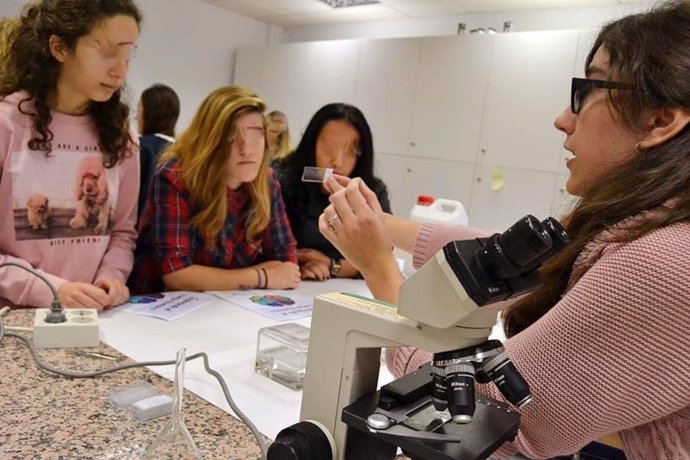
332	219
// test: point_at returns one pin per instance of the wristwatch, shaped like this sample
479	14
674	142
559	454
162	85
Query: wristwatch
335	267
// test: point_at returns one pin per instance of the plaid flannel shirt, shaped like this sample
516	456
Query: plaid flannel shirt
168	243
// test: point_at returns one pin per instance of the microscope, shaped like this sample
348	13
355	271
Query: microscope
447	307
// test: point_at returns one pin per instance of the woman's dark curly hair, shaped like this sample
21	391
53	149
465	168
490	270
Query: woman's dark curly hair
28	65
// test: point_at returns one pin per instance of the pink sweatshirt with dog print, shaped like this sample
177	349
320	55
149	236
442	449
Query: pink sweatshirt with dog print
63	213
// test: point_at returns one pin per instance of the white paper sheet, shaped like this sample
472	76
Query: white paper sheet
166	305
274	304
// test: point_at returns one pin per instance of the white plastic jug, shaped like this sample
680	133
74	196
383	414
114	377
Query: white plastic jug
428	209
440	210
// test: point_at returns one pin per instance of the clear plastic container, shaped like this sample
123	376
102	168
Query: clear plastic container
126	395
151	408
281	354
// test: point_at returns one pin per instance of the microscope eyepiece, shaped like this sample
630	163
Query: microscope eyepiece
505	255
524	241
559	240
559	236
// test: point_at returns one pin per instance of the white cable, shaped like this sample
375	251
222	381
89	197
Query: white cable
18	329
56	314
204	356
56	308
35	273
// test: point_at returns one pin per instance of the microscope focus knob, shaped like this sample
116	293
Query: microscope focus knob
307	440
378	421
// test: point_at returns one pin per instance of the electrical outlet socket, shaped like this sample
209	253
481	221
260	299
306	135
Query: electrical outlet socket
80	329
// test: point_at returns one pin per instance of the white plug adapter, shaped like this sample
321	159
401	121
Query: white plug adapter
80	329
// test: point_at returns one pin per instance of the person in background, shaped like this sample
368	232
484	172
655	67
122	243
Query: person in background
214	218
69	166
603	343
157	113
338	137
278	136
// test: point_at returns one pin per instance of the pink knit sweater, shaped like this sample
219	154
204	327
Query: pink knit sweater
613	356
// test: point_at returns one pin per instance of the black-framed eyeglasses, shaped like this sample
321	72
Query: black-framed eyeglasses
581	87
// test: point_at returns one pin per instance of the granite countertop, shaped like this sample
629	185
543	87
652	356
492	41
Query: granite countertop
44	416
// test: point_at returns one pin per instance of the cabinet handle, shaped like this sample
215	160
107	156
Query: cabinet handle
413	144
479	179
483	150
409	170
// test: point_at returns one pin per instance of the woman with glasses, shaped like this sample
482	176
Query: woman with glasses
603	343
69	172
214	218
337	137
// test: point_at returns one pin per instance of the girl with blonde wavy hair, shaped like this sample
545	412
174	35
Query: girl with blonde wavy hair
215	218
278	135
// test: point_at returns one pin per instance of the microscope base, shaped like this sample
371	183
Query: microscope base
494	423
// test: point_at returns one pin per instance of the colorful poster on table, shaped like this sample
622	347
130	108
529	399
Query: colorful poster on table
167	305
276	305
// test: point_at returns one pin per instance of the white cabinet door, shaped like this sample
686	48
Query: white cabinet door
449	101
441	179
249	63
390	169
501	196
441	108
331	75
282	82
528	87
300	78
386	84
584	45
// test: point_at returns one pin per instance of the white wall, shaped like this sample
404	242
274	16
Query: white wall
10	7
190	46
523	21
186	44
446	118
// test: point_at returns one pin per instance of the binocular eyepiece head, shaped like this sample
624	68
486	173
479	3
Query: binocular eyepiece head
522	248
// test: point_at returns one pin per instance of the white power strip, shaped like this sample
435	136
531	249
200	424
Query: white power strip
80	329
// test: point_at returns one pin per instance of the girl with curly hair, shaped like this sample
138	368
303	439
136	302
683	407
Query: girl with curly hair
64	66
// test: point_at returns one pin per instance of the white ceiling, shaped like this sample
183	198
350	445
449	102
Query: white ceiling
292	13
